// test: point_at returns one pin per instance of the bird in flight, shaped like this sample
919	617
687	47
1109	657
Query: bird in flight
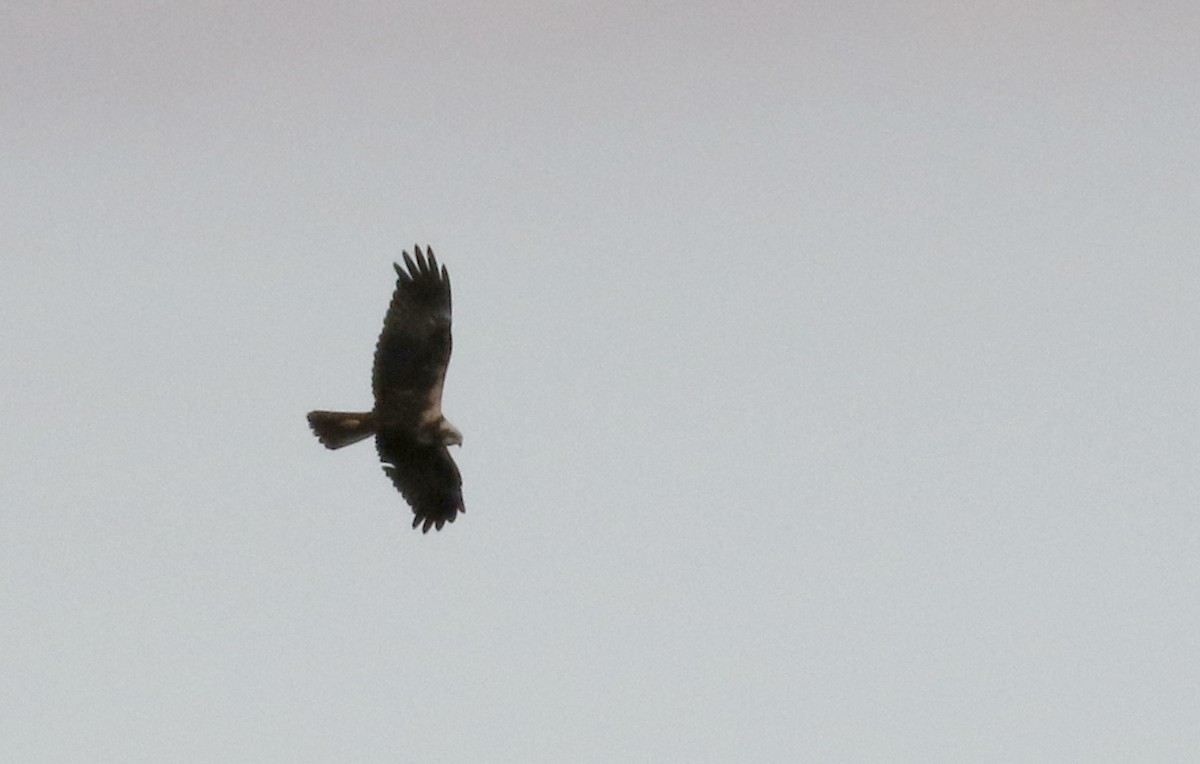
411	435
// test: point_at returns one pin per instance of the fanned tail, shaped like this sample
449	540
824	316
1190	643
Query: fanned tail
338	428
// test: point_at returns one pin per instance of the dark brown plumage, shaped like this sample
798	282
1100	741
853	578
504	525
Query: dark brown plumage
411	435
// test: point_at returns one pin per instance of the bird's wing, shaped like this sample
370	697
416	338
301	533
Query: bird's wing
426	476
414	347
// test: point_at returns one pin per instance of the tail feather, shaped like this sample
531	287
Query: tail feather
338	428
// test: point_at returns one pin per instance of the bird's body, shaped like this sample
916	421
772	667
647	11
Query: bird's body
411	434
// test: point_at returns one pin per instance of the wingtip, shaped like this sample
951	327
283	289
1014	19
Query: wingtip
412	269
420	263
426	522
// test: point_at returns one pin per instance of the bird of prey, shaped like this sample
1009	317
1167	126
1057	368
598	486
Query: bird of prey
411	435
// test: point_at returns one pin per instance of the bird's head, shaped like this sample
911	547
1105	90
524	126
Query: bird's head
449	434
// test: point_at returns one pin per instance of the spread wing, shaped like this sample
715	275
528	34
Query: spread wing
425	475
414	347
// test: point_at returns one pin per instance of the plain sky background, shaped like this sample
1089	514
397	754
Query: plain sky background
828	376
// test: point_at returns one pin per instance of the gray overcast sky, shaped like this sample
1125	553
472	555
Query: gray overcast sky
828	375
